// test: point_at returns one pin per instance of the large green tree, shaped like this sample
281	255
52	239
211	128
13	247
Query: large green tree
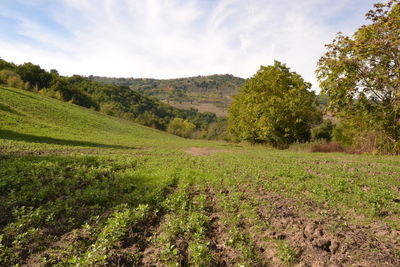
361	75
275	106
35	75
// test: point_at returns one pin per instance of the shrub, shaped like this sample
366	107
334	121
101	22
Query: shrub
12	79
361	137
327	147
181	127
323	131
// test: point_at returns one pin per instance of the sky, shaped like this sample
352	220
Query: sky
174	38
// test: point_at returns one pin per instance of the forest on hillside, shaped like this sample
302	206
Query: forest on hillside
111	99
215	91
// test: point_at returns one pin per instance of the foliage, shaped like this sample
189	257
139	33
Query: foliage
116	227
323	131
274	107
219	130
78	186
6	65
36	76
181	127
361	75
114	100
70	93
323	101
181	89
286	254
11	79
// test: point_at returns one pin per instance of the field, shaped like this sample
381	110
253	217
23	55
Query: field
82	188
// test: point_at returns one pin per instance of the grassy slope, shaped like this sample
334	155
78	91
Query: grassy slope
77	186
31	114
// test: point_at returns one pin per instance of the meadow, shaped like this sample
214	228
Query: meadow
85	189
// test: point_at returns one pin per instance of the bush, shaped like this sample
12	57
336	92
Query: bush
12	79
181	127
150	119
327	147
218	131
323	131
359	136
66	91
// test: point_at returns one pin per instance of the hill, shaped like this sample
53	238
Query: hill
78	187
211	93
30	119
115	100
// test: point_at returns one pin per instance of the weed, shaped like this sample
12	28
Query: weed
286	254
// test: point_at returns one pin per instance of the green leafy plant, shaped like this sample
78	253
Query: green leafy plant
275	106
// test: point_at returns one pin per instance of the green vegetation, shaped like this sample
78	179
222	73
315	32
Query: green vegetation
361	76
12	79
114	100
82	188
181	127
215	90
274	107
82	184
323	131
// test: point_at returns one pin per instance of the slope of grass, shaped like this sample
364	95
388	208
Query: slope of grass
29	116
81	188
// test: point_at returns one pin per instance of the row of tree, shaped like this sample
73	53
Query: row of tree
114	100
360	75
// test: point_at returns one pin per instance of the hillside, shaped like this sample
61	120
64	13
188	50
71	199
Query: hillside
206	93
115	100
78	187
29	119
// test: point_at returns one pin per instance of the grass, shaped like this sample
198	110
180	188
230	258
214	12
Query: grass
82	188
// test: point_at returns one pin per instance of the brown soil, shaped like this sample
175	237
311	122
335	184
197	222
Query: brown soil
319	243
224	254
217	235
151	254
201	107
319	236
204	151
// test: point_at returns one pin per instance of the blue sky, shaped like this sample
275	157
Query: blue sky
174	38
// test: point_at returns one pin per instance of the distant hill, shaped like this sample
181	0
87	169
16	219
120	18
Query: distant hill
211	93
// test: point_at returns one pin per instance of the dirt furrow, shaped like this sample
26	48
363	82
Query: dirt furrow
319	243
224	254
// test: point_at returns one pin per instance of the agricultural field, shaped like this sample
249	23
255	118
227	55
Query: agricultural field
85	189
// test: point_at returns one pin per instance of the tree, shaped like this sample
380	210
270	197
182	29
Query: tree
275	106
181	127
6	65
36	76
12	79
67	92
323	131
361	74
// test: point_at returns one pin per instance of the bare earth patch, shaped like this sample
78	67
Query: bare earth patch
204	151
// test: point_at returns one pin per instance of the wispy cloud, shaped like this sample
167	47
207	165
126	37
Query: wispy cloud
174	38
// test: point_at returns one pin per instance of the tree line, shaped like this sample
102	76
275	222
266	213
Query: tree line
114	100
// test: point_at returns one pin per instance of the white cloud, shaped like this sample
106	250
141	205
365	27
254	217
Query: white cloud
178	38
